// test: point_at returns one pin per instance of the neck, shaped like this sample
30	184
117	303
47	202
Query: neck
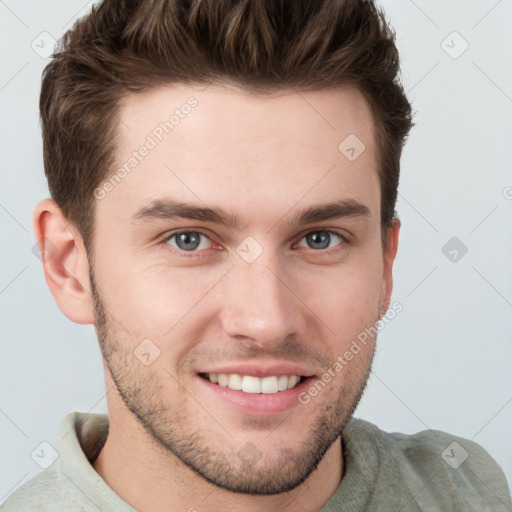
152	479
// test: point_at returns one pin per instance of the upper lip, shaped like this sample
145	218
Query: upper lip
258	370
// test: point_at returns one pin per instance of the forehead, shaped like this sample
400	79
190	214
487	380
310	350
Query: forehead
226	146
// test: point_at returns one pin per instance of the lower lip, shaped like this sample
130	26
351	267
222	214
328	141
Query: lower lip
257	404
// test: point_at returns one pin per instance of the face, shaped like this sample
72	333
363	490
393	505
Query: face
237	259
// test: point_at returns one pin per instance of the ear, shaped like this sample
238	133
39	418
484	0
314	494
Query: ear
65	264
389	254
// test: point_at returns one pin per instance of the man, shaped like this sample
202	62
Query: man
223	180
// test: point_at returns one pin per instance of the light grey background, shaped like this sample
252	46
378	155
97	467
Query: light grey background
443	363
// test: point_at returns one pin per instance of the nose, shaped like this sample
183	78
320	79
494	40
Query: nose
259	303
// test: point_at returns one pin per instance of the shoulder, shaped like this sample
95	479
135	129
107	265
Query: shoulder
41	493
437	467
60	486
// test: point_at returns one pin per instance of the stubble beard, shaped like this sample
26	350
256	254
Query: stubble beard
176	435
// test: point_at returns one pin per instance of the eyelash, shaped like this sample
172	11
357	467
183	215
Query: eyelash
344	241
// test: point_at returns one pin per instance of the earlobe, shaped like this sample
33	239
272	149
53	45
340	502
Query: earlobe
65	264
390	250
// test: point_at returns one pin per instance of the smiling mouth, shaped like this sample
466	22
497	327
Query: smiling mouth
251	384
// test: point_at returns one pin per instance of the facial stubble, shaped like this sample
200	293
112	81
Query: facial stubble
174	433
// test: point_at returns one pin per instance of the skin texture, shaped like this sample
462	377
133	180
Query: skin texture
173	443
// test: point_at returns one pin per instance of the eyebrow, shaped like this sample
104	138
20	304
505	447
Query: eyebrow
167	209
344	208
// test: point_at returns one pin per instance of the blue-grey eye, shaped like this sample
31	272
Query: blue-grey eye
189	241
320	240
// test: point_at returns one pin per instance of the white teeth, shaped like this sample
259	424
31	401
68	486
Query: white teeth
235	381
292	381
269	385
282	383
251	384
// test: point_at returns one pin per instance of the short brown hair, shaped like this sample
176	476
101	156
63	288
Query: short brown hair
126	46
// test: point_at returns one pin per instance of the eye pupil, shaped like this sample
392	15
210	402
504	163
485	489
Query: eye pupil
187	241
319	239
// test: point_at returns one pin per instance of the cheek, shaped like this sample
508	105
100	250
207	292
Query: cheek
154	300
346	298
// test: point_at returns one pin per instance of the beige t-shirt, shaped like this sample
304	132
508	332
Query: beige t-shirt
386	472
